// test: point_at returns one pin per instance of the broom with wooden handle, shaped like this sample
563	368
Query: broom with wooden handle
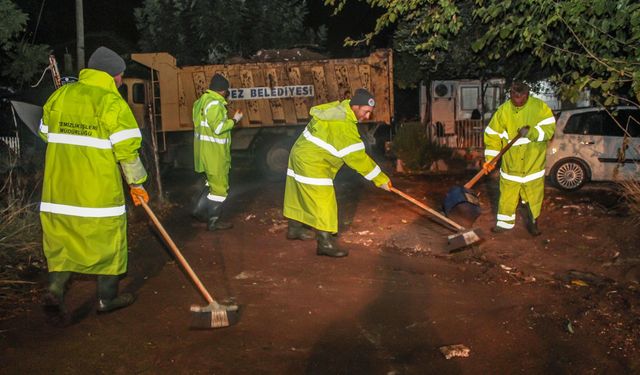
463	237
214	315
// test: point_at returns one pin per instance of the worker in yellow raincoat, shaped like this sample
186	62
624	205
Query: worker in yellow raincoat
330	140
212	151
523	165
91	137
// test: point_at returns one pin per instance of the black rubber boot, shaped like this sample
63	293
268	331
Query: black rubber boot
201	206
532	225
327	246
53	300
498	229
297	231
216	224
108	298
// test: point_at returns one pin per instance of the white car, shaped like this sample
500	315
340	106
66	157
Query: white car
591	145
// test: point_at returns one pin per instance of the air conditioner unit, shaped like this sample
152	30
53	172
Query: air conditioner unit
442	89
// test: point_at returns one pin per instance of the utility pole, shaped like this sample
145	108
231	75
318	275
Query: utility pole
80	34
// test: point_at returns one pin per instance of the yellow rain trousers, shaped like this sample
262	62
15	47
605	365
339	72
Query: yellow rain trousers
212	143
89	129
523	165
330	140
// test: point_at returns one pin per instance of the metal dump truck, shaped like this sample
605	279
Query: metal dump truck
275	98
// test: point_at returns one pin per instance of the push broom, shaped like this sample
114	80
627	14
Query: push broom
463	237
213	315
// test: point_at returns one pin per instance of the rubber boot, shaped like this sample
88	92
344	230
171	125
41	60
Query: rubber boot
200	206
216	224
327	246
108	298
498	229
53	300
297	231
532	225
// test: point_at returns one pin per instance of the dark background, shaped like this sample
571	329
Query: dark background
112	23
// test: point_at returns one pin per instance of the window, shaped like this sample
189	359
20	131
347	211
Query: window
491	99
138	93
609	127
630	120
577	124
470	97
601	123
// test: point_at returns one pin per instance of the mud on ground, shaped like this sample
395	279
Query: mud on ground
563	302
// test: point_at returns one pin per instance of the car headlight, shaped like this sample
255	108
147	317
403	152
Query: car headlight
553	150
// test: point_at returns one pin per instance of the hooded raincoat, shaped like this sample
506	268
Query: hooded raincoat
523	165
89	129
212	143
330	140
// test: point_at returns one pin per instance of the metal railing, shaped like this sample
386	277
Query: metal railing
13	142
467	134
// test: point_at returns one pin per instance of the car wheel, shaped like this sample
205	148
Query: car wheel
569	175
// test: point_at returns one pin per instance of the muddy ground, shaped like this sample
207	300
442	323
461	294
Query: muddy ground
564	302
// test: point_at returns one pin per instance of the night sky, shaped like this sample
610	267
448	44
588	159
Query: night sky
105	22
112	23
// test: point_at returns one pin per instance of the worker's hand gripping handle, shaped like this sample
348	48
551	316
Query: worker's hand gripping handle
490	165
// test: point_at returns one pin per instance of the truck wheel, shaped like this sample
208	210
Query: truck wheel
273	158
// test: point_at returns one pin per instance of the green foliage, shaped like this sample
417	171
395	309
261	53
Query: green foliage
578	43
413	146
589	44
201	32
20	61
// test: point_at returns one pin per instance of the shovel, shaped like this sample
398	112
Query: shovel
214	315
463	237
461	202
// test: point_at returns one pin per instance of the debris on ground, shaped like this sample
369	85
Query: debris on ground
579	278
458	350
278	226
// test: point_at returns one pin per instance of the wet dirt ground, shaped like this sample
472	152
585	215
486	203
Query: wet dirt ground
564	302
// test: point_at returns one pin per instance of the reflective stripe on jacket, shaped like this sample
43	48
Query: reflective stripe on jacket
523	165
330	140
526	158
212	142
89	129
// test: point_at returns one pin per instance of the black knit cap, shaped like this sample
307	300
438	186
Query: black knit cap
107	61
218	83
363	97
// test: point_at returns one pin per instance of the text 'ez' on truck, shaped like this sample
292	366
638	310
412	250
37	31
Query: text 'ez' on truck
275	98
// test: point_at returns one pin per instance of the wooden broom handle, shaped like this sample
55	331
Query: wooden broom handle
428	209
494	161
177	253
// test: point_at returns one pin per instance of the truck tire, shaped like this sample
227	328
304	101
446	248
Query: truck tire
273	157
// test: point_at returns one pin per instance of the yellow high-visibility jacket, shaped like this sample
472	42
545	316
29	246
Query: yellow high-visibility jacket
330	140
89	129
523	165
212	143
